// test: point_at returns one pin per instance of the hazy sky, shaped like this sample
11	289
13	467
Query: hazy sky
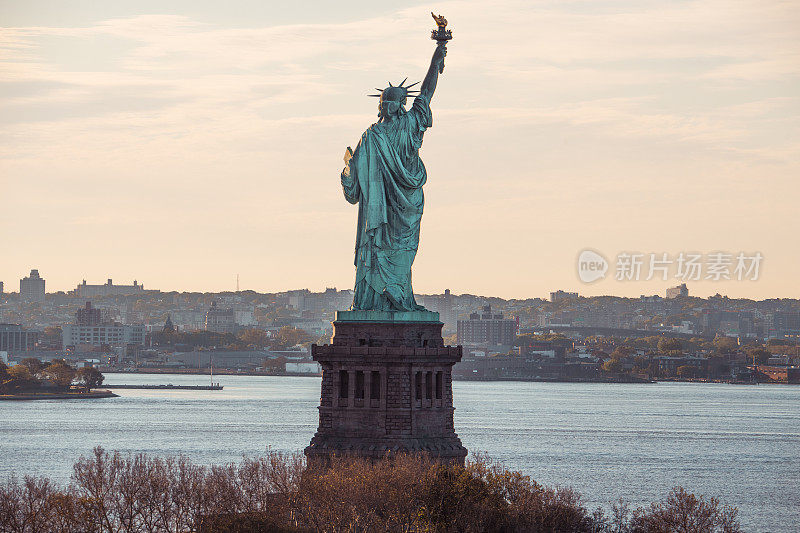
181	143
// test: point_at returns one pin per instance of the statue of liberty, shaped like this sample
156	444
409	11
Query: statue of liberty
384	175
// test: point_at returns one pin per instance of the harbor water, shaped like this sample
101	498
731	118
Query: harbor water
740	444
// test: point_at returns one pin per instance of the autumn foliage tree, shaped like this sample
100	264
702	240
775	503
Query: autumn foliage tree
31	375
613	366
289	336
683	512
256	338
281	492
33	365
277	364
667	345
725	345
89	377
59	374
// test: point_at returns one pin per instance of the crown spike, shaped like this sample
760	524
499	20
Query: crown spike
390	84
402	82
409	86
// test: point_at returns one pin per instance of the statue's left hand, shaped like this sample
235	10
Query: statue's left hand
348	155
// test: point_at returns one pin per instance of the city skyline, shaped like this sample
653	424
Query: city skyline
175	145
87	291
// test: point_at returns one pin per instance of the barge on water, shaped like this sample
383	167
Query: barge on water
168	386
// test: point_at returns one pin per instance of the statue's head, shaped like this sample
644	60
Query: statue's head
393	99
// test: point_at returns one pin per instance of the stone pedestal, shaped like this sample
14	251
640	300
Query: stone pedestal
386	388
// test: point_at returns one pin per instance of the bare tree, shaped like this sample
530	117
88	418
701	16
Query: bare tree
281	492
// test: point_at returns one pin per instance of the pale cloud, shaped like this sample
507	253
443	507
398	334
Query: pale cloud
759	71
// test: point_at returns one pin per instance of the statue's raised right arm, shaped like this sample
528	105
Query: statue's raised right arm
437	64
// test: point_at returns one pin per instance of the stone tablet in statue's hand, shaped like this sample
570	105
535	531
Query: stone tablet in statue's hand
348	155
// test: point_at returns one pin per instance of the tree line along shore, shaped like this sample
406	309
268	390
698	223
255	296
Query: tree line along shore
111	492
32	379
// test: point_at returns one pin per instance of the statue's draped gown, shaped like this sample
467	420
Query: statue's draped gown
385	179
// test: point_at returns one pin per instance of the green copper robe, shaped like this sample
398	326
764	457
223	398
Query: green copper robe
385	179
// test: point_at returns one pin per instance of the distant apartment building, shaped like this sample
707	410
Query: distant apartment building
652	299
444	305
319	302
559	318
686	327
244	316
669	365
103	334
89	328
601	316
87	316
680	291
14	338
728	323
220	320
189	319
548	349
742	326
84	290
297	299
303	367
487	328
1	287
310	324
31	288
782	324
560	295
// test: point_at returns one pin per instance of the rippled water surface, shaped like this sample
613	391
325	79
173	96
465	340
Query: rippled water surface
738	443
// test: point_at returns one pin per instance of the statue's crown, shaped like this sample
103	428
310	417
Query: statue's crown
397	93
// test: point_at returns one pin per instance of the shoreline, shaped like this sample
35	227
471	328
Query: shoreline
27	396
205	372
